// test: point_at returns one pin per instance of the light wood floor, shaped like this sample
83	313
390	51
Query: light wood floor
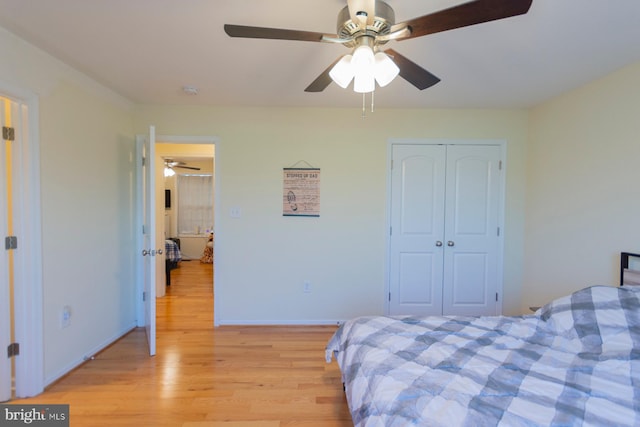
262	376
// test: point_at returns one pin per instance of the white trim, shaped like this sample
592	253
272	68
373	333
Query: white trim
5	294
444	141
175	139
27	217
501	203
139	221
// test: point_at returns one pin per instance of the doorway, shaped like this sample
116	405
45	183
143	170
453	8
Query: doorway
197	156
21	261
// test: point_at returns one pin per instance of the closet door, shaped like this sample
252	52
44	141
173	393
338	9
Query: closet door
417	229
471	230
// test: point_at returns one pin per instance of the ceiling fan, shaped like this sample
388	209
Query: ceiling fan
171	164
366	25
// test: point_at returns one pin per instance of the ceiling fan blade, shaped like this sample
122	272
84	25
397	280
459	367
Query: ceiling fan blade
323	80
274	33
367	6
412	72
187	167
474	12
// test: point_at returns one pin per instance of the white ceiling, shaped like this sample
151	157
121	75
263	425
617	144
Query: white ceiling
147	50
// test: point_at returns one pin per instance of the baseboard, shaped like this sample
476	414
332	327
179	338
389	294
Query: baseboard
321	322
76	363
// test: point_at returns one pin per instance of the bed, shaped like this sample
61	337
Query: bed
172	257
576	361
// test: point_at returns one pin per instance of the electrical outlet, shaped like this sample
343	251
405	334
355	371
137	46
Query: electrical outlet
65	319
306	287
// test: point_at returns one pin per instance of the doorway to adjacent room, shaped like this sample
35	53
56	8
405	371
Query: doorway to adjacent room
190	160
21	331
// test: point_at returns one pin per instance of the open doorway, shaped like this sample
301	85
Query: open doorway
7	321
188	163
21	331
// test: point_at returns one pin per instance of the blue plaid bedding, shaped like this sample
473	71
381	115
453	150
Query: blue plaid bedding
575	362
172	251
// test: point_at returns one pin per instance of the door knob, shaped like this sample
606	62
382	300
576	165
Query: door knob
450	243
145	252
159	252
438	243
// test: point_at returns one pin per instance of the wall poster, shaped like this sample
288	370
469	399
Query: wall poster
301	192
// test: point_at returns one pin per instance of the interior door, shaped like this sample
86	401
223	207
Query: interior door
5	295
149	238
471	230
417	229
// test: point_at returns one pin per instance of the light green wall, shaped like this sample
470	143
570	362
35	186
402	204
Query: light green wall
87	193
262	259
583	171
87	217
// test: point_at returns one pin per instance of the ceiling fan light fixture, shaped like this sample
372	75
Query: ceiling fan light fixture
342	73
364	81
168	171
385	69
359	67
363	59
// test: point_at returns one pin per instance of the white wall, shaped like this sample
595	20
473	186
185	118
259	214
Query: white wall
86	152
583	171
262	258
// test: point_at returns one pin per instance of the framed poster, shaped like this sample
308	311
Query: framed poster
301	192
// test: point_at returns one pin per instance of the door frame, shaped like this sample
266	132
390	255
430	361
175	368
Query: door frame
181	139
501	207
27	224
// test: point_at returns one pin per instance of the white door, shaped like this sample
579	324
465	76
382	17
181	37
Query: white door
471	230
5	295
147	256
417	229
444	246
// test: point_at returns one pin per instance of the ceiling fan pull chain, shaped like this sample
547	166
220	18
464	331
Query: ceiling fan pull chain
364	104
372	97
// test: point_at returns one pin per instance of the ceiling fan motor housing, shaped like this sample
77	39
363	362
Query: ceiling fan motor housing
383	20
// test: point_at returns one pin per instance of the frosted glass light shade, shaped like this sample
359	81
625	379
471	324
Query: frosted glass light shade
342	73
169	172
363	59
363	63
385	69
364	82
365	69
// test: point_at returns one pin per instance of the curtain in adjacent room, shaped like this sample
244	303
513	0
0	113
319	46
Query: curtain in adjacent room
195	204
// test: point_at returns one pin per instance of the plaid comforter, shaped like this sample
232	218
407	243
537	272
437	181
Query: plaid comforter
575	362
172	251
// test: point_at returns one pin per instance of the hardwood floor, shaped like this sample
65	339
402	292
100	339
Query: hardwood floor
231	376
